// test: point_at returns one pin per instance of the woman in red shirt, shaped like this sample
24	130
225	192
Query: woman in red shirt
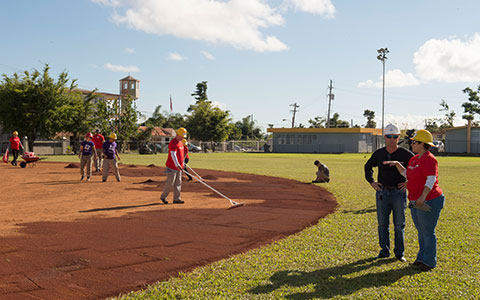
426	197
15	145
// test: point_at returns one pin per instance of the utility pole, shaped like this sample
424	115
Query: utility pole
295	106
382	56
330	98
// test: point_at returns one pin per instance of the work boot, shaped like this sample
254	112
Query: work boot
178	201
82	178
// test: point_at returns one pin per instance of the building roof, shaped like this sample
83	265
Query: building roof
159	131
374	131
129	78
85	92
460	127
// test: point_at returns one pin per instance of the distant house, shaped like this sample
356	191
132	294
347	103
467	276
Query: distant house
460	140
326	140
160	135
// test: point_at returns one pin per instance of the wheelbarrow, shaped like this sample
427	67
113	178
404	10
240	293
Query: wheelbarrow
29	158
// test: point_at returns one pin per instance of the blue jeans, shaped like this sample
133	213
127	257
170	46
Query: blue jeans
388	201
425	222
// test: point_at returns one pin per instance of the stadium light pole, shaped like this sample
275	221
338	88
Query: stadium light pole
382	56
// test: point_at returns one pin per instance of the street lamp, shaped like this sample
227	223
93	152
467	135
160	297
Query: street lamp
382	56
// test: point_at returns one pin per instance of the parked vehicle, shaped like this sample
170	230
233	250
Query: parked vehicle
439	146
194	148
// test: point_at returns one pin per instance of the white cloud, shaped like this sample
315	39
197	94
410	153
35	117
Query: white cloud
410	121
220	105
119	68
107	2
233	22
175	56
130	50
449	60
319	7
207	55
393	78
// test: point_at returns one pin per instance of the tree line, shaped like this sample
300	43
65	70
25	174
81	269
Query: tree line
39	106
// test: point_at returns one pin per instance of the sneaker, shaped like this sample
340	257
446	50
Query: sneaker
381	256
178	201
164	201
88	178
417	263
104	180
82	178
401	258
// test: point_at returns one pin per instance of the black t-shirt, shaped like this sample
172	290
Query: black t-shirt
387	175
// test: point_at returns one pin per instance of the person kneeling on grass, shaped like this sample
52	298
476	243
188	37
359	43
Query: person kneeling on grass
110	152
323	174
87	150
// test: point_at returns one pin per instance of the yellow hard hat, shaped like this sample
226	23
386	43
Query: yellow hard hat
184	141
181	132
15	132
424	136
112	136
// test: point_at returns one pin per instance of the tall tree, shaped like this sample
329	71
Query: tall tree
207	122
30	103
449	115
472	107
335	122
200	93
249	129
370	115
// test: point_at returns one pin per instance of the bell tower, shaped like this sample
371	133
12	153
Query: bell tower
130	86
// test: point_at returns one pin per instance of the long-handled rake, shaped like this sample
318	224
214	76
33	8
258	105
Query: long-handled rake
233	204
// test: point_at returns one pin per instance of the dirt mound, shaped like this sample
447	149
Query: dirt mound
153	166
148	181
72	166
209	177
132	166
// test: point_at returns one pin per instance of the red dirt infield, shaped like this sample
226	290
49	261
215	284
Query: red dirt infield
65	239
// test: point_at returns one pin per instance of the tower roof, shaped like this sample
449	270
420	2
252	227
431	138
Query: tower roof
129	78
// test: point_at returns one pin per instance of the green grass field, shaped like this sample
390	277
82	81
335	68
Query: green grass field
333	259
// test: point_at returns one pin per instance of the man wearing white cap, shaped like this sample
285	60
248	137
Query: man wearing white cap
390	190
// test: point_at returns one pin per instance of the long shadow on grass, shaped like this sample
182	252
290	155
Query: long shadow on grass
366	210
336	281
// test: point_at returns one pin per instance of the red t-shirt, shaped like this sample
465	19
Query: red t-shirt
185	150
98	140
176	146
15	143
417	171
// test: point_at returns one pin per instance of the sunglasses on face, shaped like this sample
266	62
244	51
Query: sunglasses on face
390	136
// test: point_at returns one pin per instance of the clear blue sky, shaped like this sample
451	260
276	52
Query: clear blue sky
257	56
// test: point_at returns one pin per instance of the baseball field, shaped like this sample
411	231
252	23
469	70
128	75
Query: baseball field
84	238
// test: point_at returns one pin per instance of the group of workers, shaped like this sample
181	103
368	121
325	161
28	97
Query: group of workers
104	154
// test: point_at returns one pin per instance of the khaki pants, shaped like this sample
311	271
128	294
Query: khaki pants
322	177
107	163
174	178
99	159
86	160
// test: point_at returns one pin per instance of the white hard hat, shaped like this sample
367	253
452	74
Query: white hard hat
391	129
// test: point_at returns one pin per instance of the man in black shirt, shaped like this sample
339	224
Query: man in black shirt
390	190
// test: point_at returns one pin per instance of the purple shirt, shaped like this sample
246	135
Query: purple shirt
87	148
109	149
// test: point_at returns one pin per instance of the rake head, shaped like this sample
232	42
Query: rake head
235	205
